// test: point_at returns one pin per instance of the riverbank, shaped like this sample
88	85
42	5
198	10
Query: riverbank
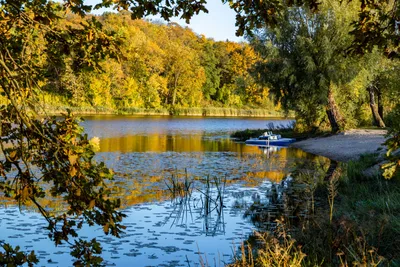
341	215
195	112
346	146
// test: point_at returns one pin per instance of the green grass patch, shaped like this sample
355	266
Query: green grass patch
284	130
356	169
373	205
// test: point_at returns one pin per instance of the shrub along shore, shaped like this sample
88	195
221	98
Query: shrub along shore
205	112
342	214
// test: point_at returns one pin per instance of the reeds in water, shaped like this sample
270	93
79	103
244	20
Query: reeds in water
224	112
179	188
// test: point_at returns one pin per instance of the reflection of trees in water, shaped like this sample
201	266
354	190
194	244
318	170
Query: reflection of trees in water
293	199
268	151
140	185
266	208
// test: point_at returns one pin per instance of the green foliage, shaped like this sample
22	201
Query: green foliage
210	62
392	168
370	206
86	253
355	169
49	157
303	66
377	25
377	22
14	257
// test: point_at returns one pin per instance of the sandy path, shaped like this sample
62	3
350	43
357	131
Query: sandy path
344	147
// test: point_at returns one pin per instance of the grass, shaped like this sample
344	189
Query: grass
277	249
356	222
59	107
282	129
356	169
225	112
373	204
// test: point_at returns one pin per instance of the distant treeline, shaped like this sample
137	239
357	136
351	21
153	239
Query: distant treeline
159	68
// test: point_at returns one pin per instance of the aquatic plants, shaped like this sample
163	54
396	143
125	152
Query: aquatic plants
209	205
179	188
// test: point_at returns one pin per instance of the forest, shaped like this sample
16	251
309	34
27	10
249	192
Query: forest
157	67
304	67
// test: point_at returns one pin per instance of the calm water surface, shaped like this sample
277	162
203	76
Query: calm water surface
147	154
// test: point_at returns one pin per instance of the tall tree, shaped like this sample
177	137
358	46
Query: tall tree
210	63
183	69
305	61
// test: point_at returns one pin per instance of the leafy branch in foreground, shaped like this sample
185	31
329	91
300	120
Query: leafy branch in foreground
58	159
48	157
13	256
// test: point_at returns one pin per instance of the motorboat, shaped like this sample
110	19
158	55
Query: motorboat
270	139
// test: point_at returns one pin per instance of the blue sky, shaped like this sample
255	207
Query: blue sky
218	24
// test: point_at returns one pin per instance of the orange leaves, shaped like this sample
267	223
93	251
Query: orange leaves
92	203
106	228
13	155
72	159
73	168
90	36
73	171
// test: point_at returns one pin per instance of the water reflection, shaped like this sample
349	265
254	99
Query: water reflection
293	199
119	126
229	187
163	143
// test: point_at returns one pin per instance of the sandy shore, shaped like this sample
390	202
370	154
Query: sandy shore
346	146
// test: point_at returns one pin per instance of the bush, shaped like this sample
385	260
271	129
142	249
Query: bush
391	169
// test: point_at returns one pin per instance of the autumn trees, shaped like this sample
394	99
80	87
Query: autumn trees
161	66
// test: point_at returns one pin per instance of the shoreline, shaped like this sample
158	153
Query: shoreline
192	112
346	146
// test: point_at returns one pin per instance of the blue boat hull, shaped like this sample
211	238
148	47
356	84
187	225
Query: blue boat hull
279	142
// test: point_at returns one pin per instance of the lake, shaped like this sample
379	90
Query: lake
166	226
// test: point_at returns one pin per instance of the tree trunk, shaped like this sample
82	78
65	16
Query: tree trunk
175	89
374	108
380	103
332	110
